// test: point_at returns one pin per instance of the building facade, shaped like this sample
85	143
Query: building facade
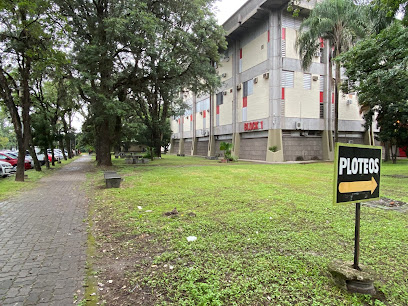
267	106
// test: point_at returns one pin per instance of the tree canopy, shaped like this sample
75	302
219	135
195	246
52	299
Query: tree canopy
377	68
338	23
140	54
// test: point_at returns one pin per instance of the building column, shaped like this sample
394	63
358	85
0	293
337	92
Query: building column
276	118
327	133
211	138
236	144
327	145
275	140
172	146
194	135
194	146
369	137
211	146
181	146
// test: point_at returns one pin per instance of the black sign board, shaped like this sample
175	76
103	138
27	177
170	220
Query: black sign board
357	174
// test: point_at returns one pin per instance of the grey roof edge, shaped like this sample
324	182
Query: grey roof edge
251	7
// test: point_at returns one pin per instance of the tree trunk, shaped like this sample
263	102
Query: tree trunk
20	161
47	161
67	137
52	153
387	151
394	149
104	144
37	165
61	145
336	103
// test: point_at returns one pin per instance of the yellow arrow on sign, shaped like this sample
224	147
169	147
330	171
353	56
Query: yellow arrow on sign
346	187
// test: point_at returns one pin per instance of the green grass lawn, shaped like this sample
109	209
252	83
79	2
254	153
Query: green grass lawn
8	185
265	233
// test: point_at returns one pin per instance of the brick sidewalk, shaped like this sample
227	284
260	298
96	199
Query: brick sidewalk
43	240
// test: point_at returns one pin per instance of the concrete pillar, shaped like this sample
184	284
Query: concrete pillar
369	137
194	136
236	142
327	145
275	139
276	117
194	146
211	146
181	146
172	146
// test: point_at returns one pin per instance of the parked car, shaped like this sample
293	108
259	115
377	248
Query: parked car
41	156
57	154
6	169
29	158
12	159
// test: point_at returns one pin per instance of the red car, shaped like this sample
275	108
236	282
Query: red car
12	159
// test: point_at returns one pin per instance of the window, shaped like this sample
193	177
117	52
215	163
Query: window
248	88
219	100
203	105
307	81
321	88
288	79
321	111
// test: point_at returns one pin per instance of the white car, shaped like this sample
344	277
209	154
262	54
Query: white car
6	169
57	154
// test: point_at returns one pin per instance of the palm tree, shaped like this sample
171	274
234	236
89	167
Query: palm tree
339	23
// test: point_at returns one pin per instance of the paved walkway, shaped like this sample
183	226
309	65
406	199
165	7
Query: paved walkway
43	240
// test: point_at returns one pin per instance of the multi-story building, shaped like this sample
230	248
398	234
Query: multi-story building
266	100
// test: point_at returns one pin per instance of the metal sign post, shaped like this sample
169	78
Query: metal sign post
357	238
357	179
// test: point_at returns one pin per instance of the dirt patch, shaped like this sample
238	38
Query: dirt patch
120	254
389	204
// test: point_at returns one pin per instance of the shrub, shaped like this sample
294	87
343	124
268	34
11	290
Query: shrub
227	148
273	148
299	158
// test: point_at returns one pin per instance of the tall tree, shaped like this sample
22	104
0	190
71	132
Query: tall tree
27	36
180	57
378	70
98	55
339	23
140	52
393	8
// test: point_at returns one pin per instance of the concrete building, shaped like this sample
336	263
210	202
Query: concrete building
266	100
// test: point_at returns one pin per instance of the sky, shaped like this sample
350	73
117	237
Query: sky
226	8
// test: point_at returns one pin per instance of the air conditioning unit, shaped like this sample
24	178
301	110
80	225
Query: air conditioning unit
266	75
224	93
224	75
349	101
255	80
315	78
298	125
239	87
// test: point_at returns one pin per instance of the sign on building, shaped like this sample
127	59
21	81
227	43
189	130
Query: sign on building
357	173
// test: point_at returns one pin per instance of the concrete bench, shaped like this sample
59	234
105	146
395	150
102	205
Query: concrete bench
137	160
112	179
